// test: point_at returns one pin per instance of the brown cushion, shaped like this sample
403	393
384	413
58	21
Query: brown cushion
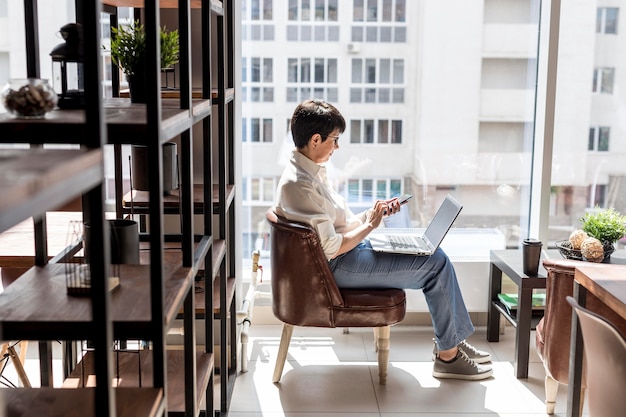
370	308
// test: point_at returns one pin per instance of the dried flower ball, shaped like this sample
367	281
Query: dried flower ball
577	238
592	249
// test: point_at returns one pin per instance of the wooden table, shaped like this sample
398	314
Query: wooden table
17	247
607	283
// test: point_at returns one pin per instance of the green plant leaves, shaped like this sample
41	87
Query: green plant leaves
606	225
128	48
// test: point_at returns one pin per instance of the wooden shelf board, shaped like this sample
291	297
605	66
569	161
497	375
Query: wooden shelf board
196	94
230	293
139	201
126	123
37	307
172	93
33	181
199	294
128	363
130	402
219	253
229	95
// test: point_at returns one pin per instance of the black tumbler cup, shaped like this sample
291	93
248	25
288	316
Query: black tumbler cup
531	253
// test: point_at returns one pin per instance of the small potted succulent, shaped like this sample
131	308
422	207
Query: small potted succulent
128	50
595	240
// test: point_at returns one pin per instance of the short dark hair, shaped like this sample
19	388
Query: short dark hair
315	116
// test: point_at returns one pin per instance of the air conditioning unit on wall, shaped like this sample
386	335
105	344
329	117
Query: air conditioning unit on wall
354	48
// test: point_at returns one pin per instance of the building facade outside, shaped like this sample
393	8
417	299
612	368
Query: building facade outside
439	97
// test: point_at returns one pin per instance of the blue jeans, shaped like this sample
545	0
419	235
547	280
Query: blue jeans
362	267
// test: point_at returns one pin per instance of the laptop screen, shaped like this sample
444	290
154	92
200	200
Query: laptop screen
441	223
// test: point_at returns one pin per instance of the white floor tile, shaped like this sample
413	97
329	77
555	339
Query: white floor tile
329	373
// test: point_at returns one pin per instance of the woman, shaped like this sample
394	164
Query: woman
304	195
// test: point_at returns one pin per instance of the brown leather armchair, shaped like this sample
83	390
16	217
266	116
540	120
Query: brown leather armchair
554	329
304	293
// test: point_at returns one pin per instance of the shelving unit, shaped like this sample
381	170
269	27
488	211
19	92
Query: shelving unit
160	290
212	196
34	181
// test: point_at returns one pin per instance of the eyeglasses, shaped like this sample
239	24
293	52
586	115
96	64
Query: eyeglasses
335	138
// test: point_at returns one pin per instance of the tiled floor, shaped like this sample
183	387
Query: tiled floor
334	374
329	373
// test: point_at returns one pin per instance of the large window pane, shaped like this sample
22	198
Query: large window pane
431	111
589	151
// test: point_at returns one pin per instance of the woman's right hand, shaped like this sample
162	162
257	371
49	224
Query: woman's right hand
375	215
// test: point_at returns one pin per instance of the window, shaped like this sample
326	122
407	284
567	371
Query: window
317	20
431	107
501	137
375	131
312	77
4	70
364	191
378	21
257	17
257	130
606	20
597	195
258	189
377	80
599	138
257	79
603	80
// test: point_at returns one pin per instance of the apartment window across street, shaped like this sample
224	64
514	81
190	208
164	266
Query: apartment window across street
367	190
257	129
378	21
599	138
312	77
257	17
377	80
258	189
606	20
376	131
257	79
318	20
603	80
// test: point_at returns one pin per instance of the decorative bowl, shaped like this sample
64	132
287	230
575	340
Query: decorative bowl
28	98
565	247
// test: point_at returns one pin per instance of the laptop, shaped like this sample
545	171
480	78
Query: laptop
410	242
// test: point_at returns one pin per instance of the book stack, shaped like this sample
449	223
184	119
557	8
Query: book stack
510	302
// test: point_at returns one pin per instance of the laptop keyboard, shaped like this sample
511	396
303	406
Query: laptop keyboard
402	242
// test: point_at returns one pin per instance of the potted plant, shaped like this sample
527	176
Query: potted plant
605	225
128	50
595	240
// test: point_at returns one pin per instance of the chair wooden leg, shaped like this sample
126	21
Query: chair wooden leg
376	332
582	401
19	368
23	349
285	339
383	341
552	388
